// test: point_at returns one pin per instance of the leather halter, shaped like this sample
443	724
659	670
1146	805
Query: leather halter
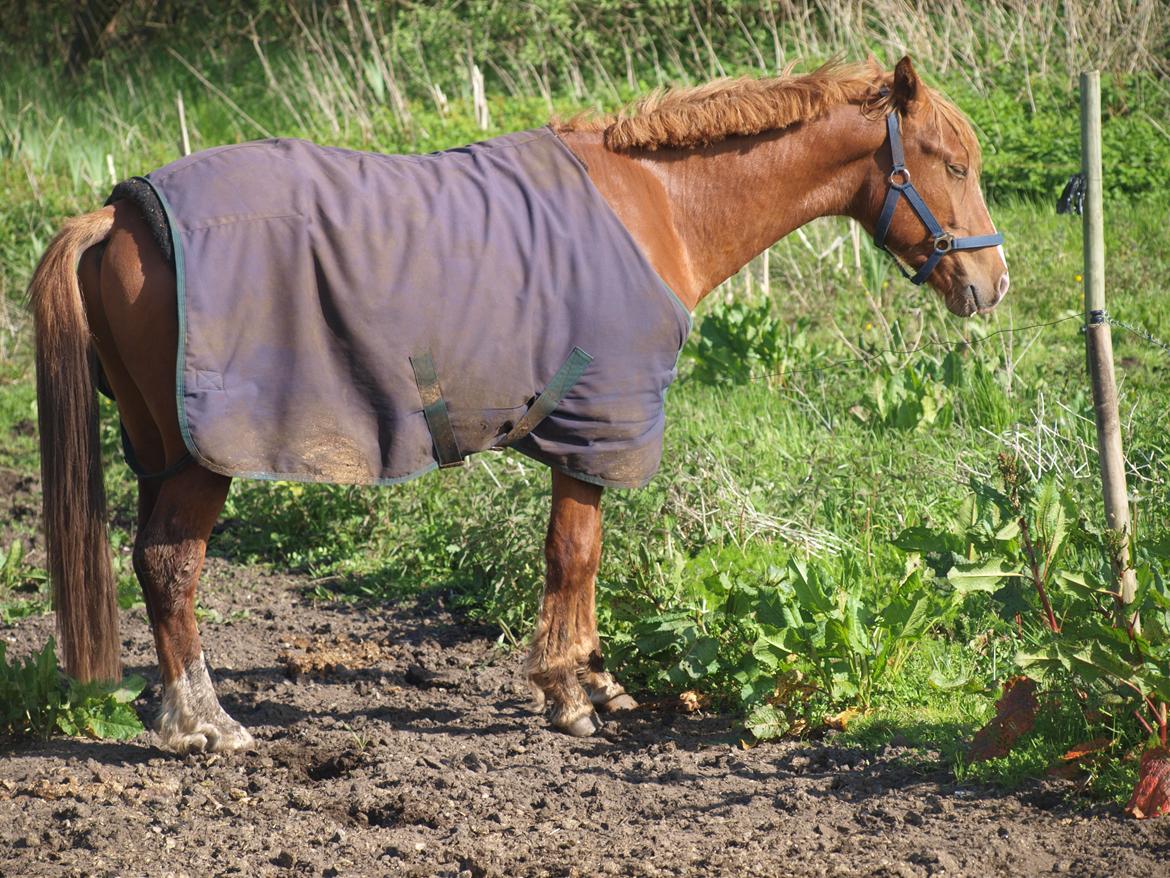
901	187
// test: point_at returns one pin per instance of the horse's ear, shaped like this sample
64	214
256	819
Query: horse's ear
905	90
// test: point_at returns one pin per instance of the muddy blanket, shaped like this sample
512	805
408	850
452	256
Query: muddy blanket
357	317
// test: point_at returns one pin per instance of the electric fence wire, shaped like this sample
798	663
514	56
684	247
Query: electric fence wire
953	345
1138	331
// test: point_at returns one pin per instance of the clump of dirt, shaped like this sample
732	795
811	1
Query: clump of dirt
307	655
403	744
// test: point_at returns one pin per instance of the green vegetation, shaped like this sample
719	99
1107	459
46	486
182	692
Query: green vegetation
36	700
836	526
22	585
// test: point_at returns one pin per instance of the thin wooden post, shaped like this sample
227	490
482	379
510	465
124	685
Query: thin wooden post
184	137
1099	341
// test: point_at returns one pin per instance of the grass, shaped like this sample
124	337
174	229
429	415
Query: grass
876	411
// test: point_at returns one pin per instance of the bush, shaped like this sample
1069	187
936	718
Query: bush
36	700
786	636
738	342
1031	152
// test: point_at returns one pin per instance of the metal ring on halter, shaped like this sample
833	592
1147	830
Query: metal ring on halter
944	243
905	172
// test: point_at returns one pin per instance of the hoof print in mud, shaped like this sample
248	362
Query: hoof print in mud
423	678
339	765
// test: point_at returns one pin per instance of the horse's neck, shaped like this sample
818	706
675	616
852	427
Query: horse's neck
700	215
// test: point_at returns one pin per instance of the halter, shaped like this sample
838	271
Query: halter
900	186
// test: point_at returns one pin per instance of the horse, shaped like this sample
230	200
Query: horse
701	180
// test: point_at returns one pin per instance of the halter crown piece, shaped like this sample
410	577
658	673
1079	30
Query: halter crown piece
901	187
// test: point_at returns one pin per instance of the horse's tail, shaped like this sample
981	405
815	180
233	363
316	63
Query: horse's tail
74	497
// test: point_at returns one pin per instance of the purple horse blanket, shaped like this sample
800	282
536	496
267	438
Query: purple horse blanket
361	318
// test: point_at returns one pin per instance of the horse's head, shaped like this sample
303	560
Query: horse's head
925	205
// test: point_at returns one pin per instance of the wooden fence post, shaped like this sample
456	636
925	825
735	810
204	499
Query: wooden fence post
1099	341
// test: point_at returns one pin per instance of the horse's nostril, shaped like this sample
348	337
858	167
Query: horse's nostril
1002	287
973	298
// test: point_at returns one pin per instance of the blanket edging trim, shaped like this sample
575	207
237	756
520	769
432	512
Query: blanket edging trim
181	309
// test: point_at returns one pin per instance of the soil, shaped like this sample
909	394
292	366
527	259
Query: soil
398	740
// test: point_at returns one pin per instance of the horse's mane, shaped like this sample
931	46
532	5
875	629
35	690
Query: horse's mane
685	118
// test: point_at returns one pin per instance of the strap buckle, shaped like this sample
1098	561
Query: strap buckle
899	183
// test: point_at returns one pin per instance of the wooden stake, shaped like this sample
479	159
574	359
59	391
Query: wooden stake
184	138
1099	341
479	98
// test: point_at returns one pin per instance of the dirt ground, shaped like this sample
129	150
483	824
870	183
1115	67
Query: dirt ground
400	741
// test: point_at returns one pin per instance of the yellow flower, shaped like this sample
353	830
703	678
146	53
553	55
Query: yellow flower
1078	278
868	327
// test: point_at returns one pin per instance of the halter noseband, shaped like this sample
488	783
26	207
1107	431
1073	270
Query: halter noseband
900	186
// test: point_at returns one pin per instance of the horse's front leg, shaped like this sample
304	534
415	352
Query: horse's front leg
566	651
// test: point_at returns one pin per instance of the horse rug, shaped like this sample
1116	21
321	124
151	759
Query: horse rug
355	317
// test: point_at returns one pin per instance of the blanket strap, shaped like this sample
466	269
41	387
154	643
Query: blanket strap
137	468
550	397
128	454
435	411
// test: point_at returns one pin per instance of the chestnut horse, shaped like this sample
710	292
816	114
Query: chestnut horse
703	179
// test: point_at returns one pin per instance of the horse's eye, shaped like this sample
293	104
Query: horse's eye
958	170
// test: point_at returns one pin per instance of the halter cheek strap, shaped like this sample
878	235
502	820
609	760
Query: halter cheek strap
901	187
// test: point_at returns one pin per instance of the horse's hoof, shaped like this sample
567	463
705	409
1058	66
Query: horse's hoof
224	736
234	737
191	720
583	726
618	702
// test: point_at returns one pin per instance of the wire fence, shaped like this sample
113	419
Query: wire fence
950	345
947	345
1139	332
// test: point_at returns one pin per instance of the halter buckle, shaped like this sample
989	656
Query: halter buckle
900	183
944	243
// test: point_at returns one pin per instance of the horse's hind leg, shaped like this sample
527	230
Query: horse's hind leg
606	693
168	558
135	325
565	649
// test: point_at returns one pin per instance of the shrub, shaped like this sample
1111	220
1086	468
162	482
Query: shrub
36	700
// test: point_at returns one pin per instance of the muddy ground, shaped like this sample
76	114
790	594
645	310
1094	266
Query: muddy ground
400	741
